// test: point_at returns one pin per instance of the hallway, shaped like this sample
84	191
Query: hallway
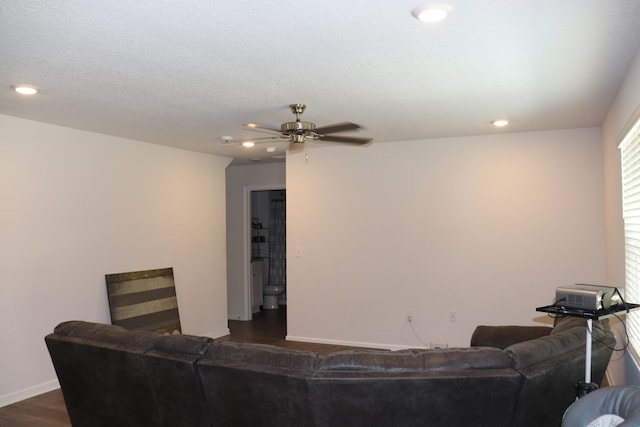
270	327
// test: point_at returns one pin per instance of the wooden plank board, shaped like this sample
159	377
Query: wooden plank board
144	300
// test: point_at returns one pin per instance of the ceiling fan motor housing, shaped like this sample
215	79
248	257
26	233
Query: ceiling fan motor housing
297	127
298	131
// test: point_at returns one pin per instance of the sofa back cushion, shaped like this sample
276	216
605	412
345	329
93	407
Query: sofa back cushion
262	354
528	353
568	334
451	359
102	374
474	358
371	360
505	335
102	332
565	323
182	344
172	370
257	385
415	387
435	398
552	365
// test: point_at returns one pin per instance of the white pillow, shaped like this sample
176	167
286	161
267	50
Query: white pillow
608	420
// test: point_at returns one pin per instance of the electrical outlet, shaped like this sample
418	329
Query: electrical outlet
453	317
410	315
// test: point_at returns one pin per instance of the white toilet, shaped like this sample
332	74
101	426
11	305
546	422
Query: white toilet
271	295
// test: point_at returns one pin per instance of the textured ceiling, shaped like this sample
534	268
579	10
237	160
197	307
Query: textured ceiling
185	73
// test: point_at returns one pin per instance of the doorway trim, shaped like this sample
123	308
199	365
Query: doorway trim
246	213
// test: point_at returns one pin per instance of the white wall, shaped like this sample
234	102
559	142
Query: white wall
78	205
240	180
623	112
484	226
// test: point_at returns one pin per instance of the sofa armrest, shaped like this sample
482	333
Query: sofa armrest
504	336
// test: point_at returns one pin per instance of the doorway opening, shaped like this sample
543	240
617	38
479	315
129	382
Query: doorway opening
268	254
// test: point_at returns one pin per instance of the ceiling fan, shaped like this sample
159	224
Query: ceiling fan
298	132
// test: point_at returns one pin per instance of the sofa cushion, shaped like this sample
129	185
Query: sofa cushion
565	323
451	359
568	334
368	360
172	371
504	336
262	354
413	398
542	349
257	385
455	359
106	333
183	344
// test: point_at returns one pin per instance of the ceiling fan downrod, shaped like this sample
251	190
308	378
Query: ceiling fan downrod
297	109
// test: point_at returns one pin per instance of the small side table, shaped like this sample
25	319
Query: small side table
587	386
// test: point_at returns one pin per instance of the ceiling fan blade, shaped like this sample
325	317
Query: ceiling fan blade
267	139
264	140
345	139
337	127
257	128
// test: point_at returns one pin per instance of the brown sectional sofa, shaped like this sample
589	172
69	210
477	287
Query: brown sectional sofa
510	376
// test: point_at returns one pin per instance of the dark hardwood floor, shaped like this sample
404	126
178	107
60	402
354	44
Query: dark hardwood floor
43	410
270	327
267	327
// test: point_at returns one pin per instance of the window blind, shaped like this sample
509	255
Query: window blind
630	156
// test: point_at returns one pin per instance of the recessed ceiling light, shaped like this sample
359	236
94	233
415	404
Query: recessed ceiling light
271	149
248	144
25	89
432	13
500	123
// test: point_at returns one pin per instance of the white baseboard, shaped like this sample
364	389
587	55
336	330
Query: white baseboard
347	343
237	316
26	393
219	333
